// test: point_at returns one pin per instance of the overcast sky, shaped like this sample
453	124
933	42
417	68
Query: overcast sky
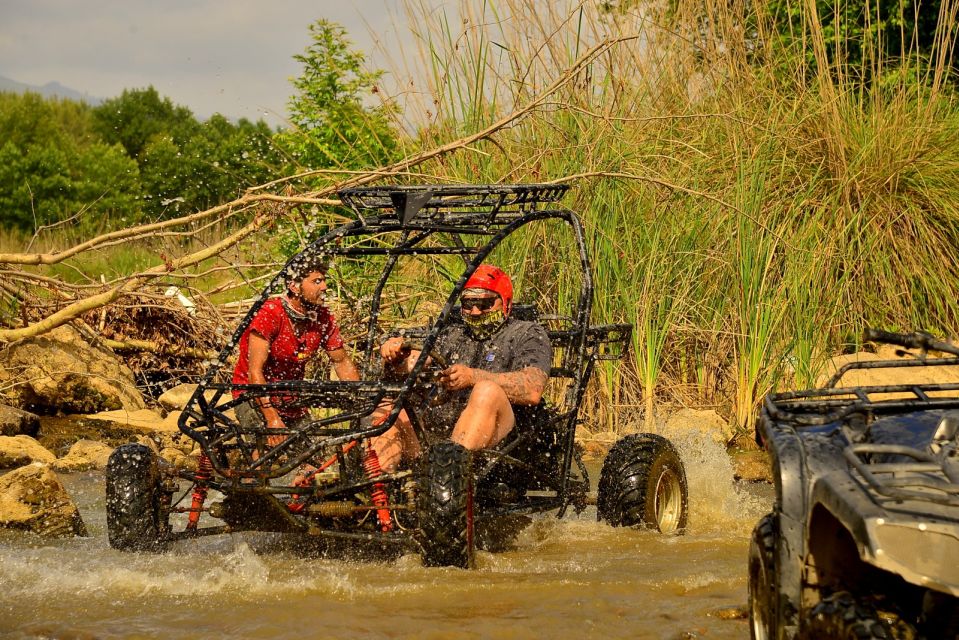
233	57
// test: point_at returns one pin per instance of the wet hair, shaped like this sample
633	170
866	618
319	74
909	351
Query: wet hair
304	264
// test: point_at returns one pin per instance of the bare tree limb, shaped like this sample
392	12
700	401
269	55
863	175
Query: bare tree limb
168	349
78	308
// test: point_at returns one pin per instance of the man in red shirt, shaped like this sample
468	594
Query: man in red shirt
285	334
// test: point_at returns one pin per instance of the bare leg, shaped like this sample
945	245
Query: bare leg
398	442
487	418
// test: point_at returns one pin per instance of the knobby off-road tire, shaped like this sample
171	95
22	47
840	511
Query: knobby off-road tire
444	505
135	520
763	614
841	616
643	483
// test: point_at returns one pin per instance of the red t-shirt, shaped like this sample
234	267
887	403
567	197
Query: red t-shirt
289	353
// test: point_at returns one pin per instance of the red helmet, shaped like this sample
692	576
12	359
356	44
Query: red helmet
494	279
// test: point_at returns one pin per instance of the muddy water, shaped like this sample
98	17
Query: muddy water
566	578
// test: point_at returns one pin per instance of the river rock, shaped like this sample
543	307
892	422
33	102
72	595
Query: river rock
137	422
16	422
163	430
176	398
159	433
84	455
150	442
60	372
595	445
17	451
180	460
751	466
707	422
33	499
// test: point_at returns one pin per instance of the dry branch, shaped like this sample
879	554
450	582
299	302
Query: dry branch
78	308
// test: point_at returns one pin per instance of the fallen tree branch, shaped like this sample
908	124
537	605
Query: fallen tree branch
132	344
113	236
78	308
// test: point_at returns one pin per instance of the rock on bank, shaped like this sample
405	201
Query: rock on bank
60	372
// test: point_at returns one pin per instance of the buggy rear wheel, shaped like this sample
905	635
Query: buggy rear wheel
136	520
643	483
762	580
444	505
841	616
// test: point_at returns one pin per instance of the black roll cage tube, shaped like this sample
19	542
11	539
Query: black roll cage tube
208	410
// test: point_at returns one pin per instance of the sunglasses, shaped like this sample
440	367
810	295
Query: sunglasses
483	304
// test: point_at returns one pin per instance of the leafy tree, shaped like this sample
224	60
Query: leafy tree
43	183
30	118
851	28
52	166
186	165
212	166
139	114
332	127
132	156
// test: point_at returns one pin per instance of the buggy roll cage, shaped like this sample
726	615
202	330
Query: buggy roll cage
417	213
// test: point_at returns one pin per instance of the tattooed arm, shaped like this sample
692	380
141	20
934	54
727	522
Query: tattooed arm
525	386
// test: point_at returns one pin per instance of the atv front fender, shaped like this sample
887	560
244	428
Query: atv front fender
897	539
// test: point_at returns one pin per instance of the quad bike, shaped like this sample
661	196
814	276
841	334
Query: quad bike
863	539
450	501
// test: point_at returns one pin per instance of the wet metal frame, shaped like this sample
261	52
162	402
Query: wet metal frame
390	223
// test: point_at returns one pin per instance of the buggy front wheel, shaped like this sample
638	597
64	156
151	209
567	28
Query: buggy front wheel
444	505
136	519
643	483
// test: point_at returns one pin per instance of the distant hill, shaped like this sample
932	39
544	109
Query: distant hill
48	90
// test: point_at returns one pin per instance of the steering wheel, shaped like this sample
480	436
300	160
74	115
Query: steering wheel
434	393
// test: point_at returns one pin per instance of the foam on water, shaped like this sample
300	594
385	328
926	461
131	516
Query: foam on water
240	573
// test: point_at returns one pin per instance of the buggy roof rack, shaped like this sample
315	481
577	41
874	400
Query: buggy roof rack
408	200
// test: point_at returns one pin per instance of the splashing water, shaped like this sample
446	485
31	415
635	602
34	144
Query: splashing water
717	504
563	578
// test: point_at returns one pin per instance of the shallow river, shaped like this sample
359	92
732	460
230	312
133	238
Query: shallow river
570	578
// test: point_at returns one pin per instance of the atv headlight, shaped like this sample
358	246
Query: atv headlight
923	553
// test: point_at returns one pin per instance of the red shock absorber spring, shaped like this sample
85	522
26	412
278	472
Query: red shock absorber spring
371	464
204	472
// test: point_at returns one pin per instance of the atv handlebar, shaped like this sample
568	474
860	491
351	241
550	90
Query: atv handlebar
915	340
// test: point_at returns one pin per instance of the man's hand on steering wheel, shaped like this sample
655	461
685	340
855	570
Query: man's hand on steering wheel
398	351
394	349
457	377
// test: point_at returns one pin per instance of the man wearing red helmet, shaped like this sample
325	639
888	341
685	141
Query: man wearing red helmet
496	364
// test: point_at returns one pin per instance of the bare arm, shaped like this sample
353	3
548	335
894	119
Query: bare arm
259	351
397	356
525	386
343	365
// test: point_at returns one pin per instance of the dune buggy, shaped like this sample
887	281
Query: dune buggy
863	539
400	240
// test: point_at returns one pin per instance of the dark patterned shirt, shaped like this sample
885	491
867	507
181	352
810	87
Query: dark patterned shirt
517	345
